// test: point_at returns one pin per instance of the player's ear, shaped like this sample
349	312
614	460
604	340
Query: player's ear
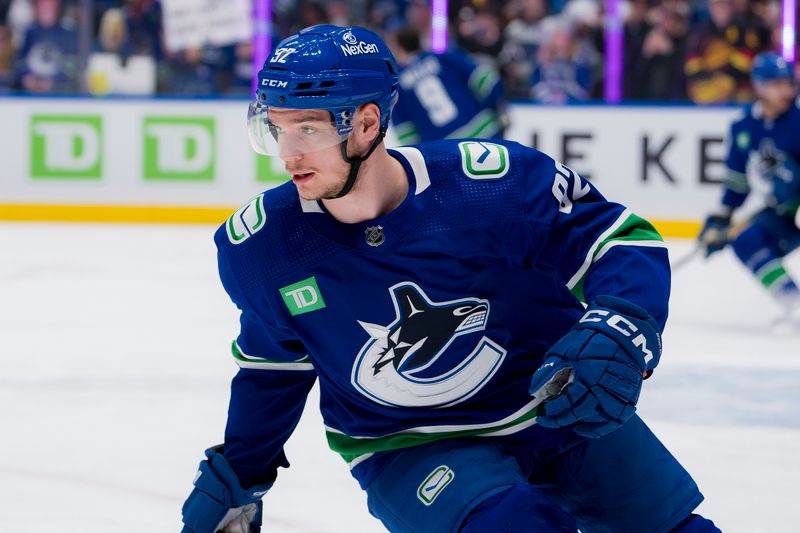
370	120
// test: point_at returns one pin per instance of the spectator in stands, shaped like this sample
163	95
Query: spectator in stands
385	16
194	71
237	75
444	95
563	74
47	60
143	18
339	12
418	15
719	55
6	58
585	20
479	33
310	14
523	36
636	27
657	70
113	67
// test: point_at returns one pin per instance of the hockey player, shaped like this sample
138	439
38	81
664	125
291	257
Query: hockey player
435	291
444	95
766	137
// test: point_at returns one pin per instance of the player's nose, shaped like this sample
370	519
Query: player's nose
288	153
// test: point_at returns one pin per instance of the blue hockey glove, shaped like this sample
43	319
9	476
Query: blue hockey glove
218	502
714	235
609	351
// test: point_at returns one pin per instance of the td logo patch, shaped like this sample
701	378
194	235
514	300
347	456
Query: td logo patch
434	484
484	160
302	297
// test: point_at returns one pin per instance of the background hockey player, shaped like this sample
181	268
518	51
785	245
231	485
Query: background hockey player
766	137
445	95
435	291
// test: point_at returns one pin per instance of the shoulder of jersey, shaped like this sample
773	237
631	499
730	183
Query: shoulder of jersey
258	217
477	159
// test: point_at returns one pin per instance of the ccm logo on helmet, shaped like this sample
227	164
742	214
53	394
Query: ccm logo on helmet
621	324
274	83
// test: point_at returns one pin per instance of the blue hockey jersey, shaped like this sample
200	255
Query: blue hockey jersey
426	323
774	146
447	96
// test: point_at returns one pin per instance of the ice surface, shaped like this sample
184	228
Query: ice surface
114	372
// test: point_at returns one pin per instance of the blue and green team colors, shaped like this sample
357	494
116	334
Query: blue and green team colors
433	333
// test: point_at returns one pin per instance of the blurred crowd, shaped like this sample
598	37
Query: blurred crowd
550	51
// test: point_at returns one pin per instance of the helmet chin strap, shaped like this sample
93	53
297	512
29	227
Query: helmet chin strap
355	163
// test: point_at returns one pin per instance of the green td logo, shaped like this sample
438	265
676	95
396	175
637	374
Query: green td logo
179	148
66	146
302	297
483	160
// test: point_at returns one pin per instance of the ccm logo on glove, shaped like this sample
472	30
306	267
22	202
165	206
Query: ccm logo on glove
621	324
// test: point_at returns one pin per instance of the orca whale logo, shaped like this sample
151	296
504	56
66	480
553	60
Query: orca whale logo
390	367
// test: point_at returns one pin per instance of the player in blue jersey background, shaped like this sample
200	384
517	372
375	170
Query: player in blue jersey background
444	96
767	139
439	294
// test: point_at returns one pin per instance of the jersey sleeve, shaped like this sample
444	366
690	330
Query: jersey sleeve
593	246
268	393
736	187
483	80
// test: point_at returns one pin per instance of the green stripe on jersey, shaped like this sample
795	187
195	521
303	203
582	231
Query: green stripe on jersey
259	363
351	448
628	230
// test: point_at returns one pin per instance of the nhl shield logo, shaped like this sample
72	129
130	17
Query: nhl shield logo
374	235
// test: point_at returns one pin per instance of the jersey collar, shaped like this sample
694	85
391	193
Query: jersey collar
393	226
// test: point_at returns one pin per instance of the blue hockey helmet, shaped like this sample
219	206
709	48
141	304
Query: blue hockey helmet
325	67
770	66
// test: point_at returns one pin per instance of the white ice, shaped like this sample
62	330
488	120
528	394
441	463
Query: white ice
114	374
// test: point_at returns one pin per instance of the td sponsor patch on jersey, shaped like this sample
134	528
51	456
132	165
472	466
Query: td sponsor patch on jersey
302	297
434	484
484	160
247	220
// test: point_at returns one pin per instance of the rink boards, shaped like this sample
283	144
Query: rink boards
190	161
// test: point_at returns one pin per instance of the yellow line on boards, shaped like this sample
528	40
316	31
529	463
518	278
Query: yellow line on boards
114	213
687	229
678	229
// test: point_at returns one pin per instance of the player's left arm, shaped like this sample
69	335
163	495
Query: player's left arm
616	263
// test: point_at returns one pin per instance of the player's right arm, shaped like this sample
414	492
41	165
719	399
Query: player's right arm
267	398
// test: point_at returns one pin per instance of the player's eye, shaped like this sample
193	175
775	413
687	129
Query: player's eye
308	130
274	130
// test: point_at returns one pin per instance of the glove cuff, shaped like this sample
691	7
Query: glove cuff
239	496
630	325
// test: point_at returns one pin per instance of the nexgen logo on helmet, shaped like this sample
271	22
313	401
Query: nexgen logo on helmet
360	48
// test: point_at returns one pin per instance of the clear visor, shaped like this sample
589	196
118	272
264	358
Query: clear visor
290	132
